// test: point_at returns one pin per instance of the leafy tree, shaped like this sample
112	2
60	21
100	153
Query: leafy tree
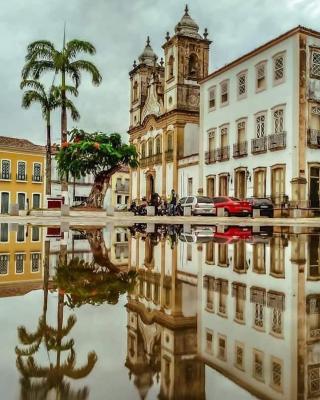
98	154
42	56
48	102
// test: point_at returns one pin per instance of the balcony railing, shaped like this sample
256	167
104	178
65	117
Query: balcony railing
6	176
259	145
158	158
169	155
150	160
315	333
314	138
240	149
222	153
277	141
21	177
210	157
36	178
122	187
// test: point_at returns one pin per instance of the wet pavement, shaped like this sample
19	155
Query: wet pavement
155	311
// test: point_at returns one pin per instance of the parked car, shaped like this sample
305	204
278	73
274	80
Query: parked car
263	204
199	205
198	234
233	206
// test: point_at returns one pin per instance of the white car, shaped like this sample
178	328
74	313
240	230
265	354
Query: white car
199	205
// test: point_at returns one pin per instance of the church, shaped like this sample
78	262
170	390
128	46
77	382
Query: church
164	112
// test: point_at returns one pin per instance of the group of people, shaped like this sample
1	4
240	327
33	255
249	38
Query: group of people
161	206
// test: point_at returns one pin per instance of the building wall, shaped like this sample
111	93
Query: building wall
28	186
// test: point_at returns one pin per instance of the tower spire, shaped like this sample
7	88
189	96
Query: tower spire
186	10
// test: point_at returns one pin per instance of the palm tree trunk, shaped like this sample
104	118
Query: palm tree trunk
48	157
64	138
100	186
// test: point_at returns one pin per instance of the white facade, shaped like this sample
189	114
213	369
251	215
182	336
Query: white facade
253	132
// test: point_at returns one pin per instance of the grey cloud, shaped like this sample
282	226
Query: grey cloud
118	28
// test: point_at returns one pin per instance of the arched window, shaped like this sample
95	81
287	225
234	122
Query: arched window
135	91
158	145
150	147
169	141
170	67
143	150
193	66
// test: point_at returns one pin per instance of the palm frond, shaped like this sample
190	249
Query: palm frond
40	49
75	115
89	67
75	46
33	84
35	68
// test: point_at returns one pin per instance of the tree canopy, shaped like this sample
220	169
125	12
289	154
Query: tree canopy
92	153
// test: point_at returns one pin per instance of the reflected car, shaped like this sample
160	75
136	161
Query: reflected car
233	206
198	235
263	204
199	205
232	234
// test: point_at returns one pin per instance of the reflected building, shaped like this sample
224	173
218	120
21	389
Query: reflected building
162	323
258	312
21	248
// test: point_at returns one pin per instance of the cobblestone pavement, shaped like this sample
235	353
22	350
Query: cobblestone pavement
100	218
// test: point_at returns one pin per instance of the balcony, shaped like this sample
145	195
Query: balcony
315	333
143	162
150	160
314	138
210	157
277	141
21	177
169	155
259	145
222	153
122	188
158	158
36	178
240	149
5	176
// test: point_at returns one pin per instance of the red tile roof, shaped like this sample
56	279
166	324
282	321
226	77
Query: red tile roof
20	144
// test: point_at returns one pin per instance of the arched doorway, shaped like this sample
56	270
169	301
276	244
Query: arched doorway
150	186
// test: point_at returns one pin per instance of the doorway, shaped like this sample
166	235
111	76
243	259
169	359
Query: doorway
150	186
21	201
259	183
210	186
4	203
36	200
240	184
223	185
314	187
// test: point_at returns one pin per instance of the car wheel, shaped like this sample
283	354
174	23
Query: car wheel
226	213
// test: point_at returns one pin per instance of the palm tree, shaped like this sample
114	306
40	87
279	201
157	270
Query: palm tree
42	56
48	101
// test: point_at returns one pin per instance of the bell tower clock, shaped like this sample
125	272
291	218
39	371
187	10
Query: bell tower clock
186	62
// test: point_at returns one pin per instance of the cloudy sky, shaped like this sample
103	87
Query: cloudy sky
118	29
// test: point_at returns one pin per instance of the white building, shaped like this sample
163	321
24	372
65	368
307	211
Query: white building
260	122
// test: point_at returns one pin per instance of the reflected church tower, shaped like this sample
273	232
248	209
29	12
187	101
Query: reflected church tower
162	331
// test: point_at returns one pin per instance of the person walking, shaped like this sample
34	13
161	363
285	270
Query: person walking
173	202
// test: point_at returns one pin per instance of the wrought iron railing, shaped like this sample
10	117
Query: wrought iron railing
169	155
5	175
259	145
158	158
21	177
222	153
277	141
240	149
36	178
314	138
210	157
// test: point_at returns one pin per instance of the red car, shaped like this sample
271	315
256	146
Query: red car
232	234
233	206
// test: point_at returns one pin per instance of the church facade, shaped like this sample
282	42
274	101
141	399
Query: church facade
164	112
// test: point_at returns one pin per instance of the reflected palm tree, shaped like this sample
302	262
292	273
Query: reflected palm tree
38	381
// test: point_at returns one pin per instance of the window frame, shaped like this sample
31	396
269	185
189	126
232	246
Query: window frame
34	164
212	89
275	57
256	116
242	74
224	103
257	66
280	107
8	263
25	171
10	170
314	50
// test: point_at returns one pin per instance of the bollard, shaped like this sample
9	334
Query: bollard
150	211
220	212
220	229
150	228
65	210
110	211
186	228
65	226
14	209
256	213
187	211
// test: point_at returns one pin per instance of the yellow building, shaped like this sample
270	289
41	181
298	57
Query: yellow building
22	166
21	248
118	194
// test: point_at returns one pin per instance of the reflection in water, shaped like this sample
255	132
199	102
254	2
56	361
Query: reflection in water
209	309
